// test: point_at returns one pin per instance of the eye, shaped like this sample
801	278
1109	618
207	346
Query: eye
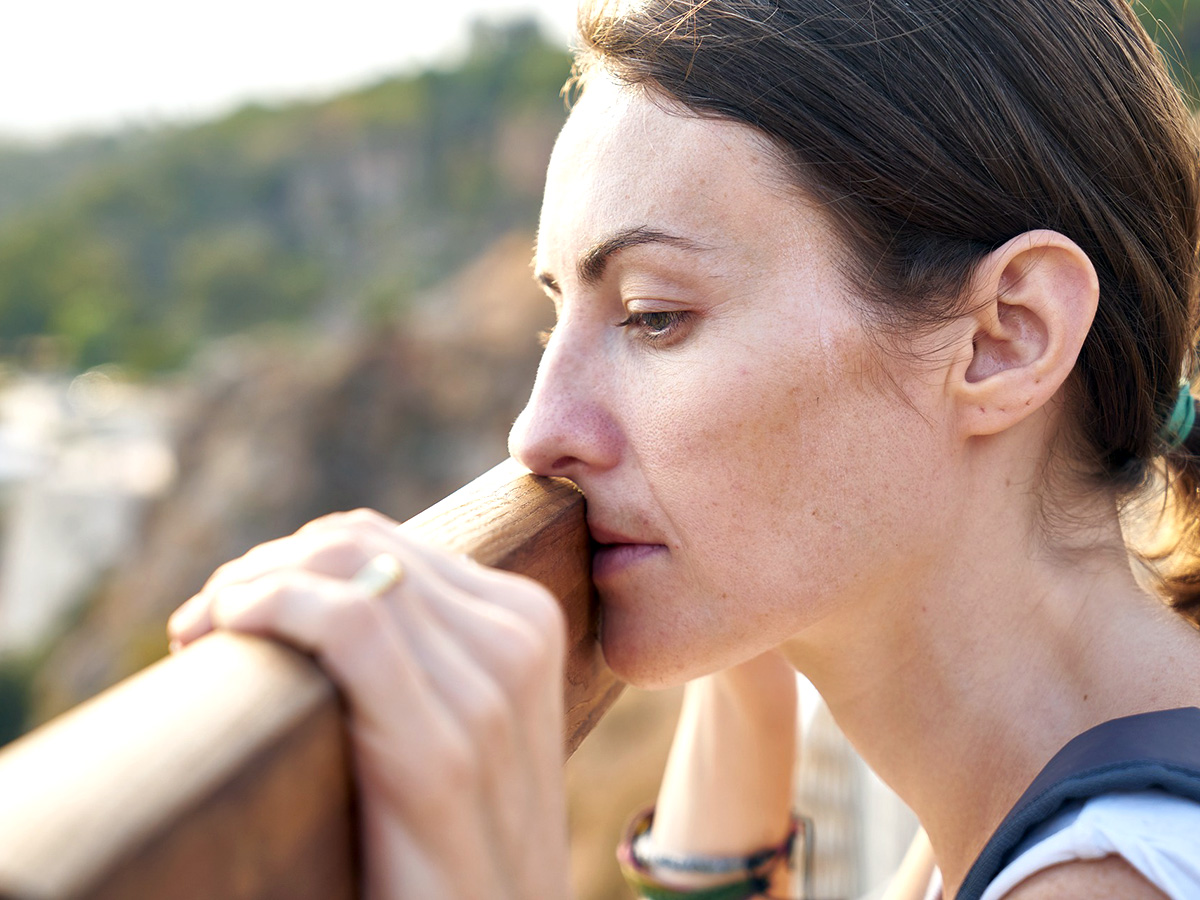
656	327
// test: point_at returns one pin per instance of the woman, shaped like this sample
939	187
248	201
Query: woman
872	316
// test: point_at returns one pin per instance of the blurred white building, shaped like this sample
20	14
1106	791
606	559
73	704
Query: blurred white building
861	828
78	461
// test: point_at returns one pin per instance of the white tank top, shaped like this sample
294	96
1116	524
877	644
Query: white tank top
1157	833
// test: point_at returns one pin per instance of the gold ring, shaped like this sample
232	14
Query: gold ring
379	575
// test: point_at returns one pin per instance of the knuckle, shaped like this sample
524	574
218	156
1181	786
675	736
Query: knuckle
533	600
337	552
544	612
353	625
457	765
542	661
361	516
327	521
487	715
351	519
421	779
223	573
525	658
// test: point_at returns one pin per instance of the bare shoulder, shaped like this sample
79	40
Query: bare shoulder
1110	878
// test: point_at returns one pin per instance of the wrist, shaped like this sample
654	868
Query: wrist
665	875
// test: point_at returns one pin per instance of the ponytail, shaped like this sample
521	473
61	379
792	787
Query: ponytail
1174	555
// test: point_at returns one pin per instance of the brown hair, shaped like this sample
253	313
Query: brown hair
933	131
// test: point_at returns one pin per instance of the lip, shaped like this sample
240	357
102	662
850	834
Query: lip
604	536
614	553
610	560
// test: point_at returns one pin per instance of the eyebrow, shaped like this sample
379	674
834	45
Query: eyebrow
593	261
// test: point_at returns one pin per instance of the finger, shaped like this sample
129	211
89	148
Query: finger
349	633
478	704
190	621
340	543
383	533
494	719
305	609
195	617
505	643
516	592
341	624
525	662
322	552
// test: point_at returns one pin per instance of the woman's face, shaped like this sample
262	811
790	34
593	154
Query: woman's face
749	466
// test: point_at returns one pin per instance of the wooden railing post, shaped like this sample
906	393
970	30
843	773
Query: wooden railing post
222	772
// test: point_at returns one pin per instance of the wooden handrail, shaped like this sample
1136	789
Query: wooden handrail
221	772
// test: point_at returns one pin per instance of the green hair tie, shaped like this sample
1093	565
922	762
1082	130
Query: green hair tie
1183	417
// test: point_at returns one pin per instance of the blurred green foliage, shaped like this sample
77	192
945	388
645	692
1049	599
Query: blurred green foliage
1175	25
137	248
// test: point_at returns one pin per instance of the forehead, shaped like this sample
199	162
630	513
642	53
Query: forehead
627	158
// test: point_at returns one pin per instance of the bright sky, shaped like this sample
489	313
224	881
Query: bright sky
84	64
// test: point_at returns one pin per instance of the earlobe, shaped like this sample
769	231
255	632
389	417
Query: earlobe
1036	298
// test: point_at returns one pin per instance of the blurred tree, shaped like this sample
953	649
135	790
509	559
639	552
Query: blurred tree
303	213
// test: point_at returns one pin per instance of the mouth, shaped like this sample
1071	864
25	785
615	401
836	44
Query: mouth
614	553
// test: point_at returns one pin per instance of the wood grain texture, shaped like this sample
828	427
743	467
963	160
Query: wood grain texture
222	772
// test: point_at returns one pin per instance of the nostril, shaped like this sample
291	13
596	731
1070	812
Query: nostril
544	465
562	464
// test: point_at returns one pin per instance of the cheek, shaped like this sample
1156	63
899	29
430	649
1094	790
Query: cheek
730	448
762	472
772	505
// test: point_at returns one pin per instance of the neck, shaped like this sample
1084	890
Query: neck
974	674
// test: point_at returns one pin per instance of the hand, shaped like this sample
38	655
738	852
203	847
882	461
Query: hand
453	679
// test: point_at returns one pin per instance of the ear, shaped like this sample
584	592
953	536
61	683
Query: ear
1035	300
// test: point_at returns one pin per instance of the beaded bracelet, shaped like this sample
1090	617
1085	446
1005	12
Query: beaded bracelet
753	872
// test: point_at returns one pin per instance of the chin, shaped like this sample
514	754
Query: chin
643	658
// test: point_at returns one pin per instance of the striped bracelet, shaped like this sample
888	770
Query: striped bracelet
752	874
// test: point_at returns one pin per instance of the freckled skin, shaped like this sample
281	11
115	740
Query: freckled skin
763	444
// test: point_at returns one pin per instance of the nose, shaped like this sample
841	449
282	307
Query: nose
568	428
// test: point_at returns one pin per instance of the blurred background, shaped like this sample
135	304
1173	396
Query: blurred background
259	263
